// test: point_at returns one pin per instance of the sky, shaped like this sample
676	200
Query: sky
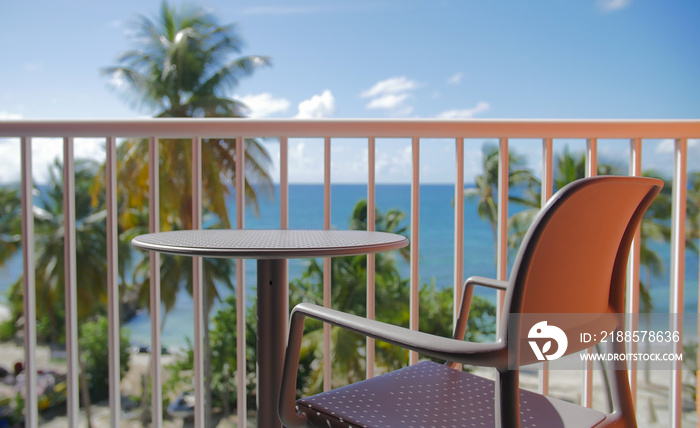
481	59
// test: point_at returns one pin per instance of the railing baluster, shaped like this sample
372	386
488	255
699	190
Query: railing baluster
547	170
458	229
154	261
198	294
31	416
678	214
70	285
591	171
414	299
284	183
371	259
240	288
591	157
633	294
327	372
546	191
112	280
502	234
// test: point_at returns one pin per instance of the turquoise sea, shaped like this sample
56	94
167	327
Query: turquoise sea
436	246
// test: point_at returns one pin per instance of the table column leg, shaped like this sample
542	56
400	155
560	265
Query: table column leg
273	312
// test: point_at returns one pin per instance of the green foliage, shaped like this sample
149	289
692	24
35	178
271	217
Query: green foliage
486	189
7	330
223	358
16	415
10	222
94	337
91	247
436	314
349	294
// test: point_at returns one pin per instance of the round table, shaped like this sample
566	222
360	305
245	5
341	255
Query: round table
270	248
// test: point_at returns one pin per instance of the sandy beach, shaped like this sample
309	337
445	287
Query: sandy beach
652	397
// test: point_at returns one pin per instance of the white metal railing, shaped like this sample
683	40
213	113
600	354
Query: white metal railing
547	130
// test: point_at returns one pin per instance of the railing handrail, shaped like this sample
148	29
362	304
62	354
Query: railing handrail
355	128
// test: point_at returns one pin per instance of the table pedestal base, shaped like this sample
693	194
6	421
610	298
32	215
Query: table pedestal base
273	313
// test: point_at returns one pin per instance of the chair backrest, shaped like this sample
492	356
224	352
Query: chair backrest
574	257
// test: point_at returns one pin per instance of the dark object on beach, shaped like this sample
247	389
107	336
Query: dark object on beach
183	406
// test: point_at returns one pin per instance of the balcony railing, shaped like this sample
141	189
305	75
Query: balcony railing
630	133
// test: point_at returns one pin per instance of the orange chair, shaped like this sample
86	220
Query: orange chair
573	260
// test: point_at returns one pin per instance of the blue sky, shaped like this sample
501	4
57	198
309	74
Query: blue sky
382	59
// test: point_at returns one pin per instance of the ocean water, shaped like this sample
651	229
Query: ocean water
306	212
436	218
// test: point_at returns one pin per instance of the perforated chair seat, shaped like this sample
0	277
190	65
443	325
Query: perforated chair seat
433	395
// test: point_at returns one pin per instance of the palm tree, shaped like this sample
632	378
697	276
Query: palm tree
568	167
91	247
183	67
10	219
392	221
486	189
693	231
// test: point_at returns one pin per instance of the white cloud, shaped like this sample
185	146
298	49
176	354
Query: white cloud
391	94
4	115
669	145
480	107
305	161
661	157
10	155
665	146
263	105
613	5
455	79
387	101
45	151
390	86
118	80
318	106
394	163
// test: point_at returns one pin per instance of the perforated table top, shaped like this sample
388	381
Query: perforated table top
269	244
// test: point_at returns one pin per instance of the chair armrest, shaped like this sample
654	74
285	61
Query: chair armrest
483	354
465	306
487	282
461	324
